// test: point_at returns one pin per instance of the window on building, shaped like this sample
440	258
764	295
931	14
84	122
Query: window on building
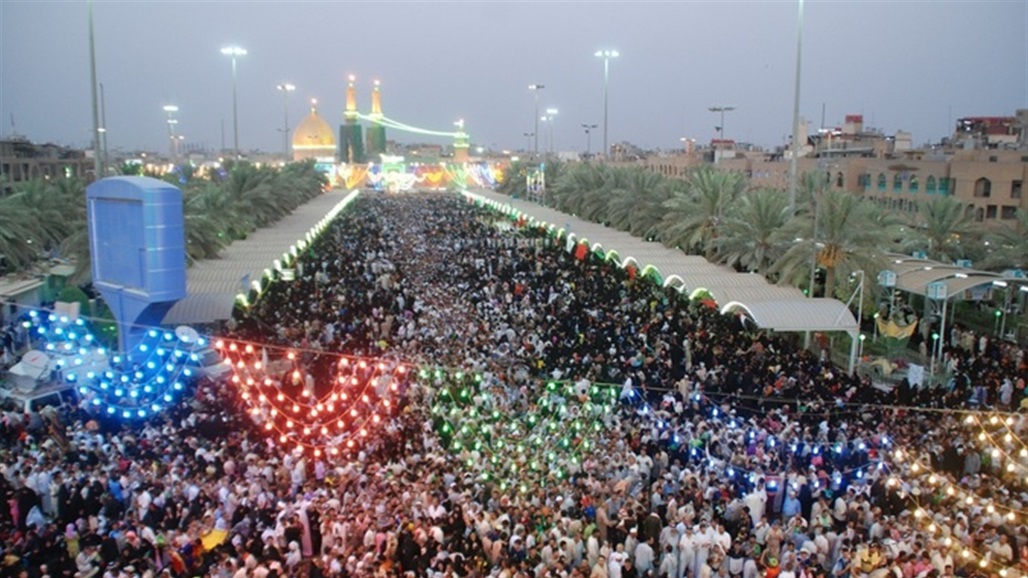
993	159
1008	212
864	181
979	214
983	188
1015	189
881	181
929	185
945	184
969	211
990	212
839	180
914	184
897	183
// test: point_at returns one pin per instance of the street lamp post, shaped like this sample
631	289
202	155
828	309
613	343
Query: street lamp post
103	130
528	140
606	55
286	89
234	51
722	110
170	110
536	88
856	346
551	115
97	169
794	162
588	138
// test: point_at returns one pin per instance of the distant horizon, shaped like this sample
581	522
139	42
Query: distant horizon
909	66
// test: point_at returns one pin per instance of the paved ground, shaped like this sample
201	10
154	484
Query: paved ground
213	284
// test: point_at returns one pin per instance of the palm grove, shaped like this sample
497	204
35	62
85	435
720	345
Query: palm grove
717	214
40	219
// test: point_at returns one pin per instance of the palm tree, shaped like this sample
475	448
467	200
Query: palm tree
754	233
252	192
18	243
513	182
231	220
575	187
849	236
941	229
1008	243
694	220
638	207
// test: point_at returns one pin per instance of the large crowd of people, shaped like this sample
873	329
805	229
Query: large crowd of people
615	429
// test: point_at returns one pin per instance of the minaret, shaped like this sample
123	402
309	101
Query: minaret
351	145
376	102
376	137
461	142
351	102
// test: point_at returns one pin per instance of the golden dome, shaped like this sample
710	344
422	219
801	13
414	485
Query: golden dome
313	132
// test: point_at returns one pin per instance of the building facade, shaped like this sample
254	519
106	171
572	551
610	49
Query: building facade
984	164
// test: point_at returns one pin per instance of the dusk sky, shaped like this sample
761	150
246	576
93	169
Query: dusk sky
913	66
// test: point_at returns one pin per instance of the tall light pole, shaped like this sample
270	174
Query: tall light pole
536	88
92	85
793	162
722	110
551	115
606	55
103	129
286	89
528	137
588	138
170	110
234	51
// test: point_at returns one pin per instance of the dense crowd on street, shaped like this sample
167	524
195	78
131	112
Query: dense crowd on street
621	431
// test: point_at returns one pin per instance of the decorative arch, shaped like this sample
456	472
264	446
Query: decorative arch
674	281
897	183
914	184
881	181
653	272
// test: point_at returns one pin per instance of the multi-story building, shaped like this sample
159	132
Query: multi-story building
985	166
21	160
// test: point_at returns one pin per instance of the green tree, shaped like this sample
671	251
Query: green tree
694	219
942	229
849	237
638	206
755	232
580	186
1008	244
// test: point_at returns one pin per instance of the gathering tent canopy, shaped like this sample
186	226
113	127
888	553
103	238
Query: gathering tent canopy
803	315
914	275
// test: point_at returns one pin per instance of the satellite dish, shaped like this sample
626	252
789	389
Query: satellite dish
27	372
187	334
36	359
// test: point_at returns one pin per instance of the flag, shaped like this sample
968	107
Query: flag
581	251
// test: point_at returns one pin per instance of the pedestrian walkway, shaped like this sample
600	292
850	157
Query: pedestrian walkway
212	284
